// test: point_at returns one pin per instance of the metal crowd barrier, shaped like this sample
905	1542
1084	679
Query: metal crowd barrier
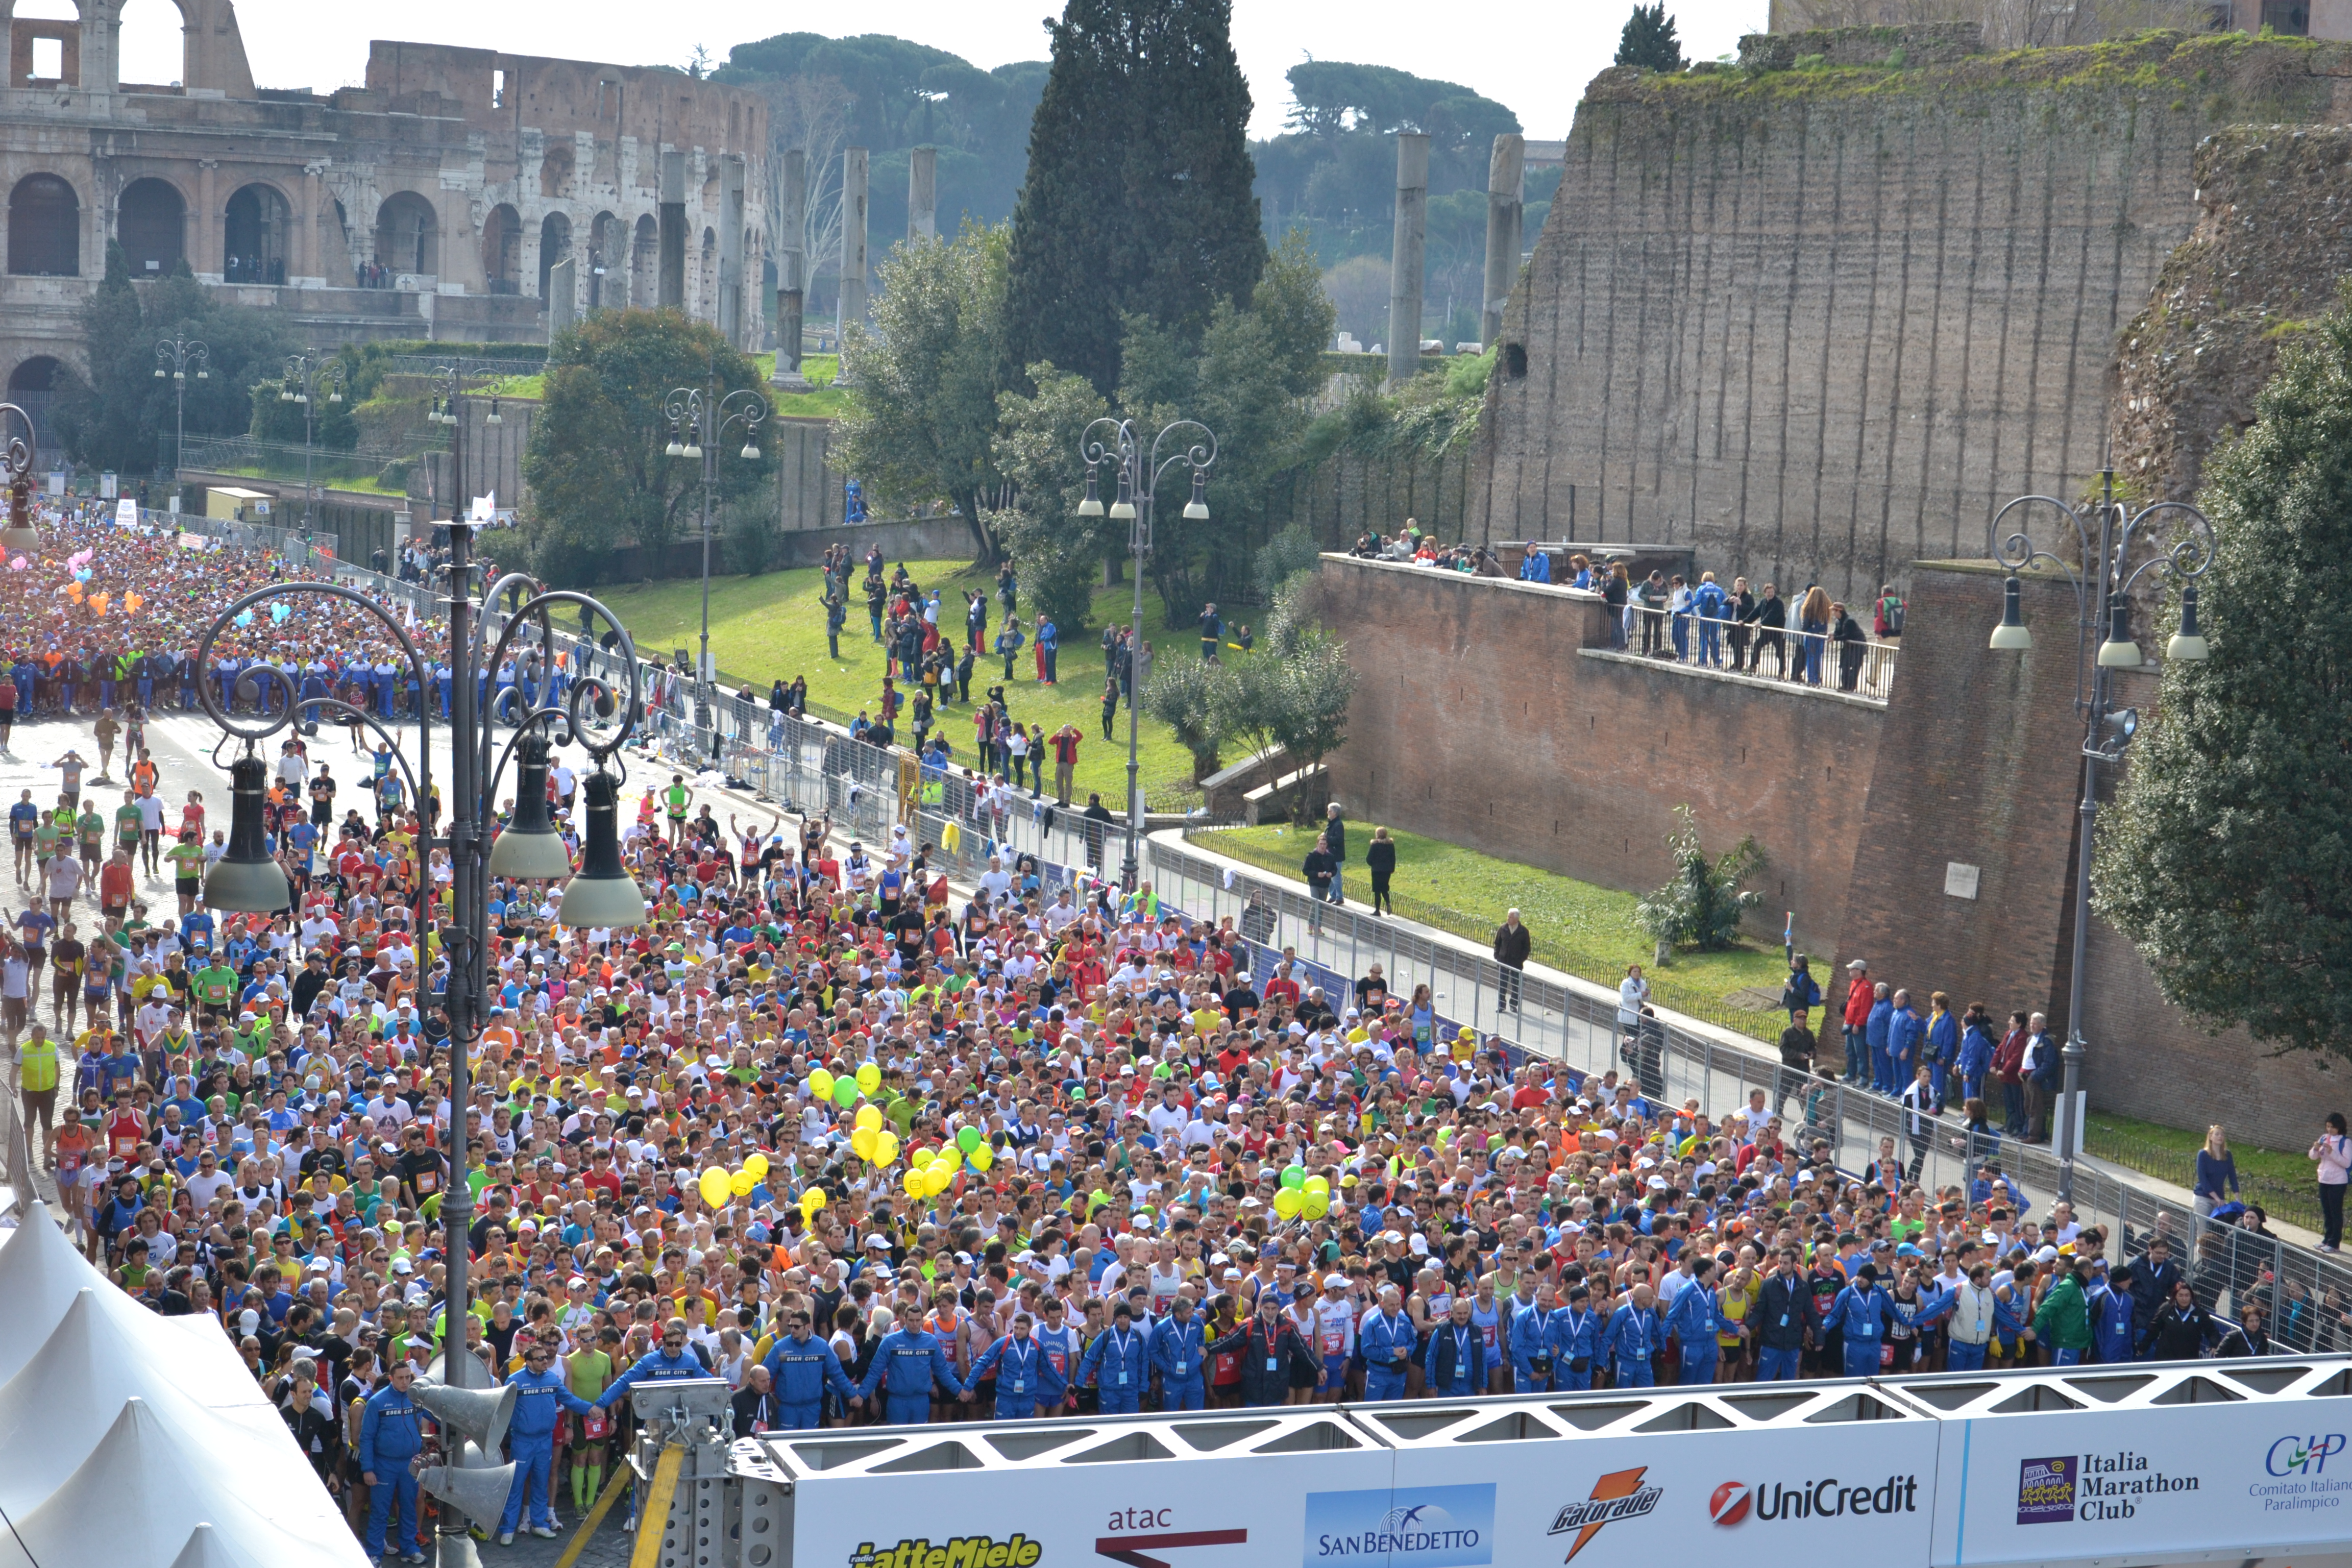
1694	641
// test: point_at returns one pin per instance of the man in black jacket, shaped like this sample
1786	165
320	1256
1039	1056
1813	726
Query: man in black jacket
1513	942
2153	1278
1784	1314
756	1409
1270	1350
1797	1047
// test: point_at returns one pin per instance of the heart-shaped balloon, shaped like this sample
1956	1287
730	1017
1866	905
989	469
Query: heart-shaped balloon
18	564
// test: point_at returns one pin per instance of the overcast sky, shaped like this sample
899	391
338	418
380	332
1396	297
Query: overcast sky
1532	55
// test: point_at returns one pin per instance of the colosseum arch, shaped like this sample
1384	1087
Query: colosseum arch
151	220
256	228
502	250
44	229
645	264
554	244
408	234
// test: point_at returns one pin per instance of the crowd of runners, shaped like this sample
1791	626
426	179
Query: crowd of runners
873	1148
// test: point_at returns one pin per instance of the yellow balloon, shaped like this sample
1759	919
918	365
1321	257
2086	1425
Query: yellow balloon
981	1159
1288	1203
950	1160
758	1165
821	1084
885	1148
1317	1205
940	1181
1319	1184
870	1077
813	1200
862	1141
741	1183
716	1187
870	1118
915	1181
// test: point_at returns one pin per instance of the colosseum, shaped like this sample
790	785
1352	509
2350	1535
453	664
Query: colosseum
433	202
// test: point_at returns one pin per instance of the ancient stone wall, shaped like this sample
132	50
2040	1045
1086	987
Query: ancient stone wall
1480	718
1819	323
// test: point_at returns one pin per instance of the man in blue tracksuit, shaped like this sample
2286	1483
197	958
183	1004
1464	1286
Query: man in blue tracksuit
1387	1341
1906	1032
1874	1036
908	1361
670	1363
1177	1352
392	1432
1119	1360
1695	1318
1632	1337
1026	1377
1533	1362
1860	1314
542	1391
1456	1356
1577	1331
800	1367
2111	1315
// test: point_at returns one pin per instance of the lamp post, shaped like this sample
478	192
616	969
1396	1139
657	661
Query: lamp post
17	462
599	896
2104	531
1121	445
699	418
305	378
174	357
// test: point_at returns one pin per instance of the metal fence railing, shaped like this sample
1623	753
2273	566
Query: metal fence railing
2297	1204
811	766
280	461
1861	669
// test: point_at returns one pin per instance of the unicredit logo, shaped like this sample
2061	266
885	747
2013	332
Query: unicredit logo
1735	1502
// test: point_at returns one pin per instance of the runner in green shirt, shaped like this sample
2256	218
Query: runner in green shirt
216	989
127	825
93	828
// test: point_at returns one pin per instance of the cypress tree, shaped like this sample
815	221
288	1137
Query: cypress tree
1137	199
1649	40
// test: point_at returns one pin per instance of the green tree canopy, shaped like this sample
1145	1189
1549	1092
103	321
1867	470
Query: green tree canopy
925	412
118	414
2228	857
1137	199
1649	40
1056	552
595	466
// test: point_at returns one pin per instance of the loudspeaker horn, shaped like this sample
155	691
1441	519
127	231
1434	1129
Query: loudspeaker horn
480	1494
480	1413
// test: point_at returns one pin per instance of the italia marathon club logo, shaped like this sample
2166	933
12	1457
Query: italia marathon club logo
1617	1495
2092	1488
1406	1527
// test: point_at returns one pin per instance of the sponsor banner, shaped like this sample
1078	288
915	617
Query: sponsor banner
1864	1492
2174	1482
1193	1511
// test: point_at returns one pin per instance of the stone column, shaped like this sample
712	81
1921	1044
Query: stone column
729	315
563	295
206	263
923	192
853	246
1507	180
792	278
1404	255
672	194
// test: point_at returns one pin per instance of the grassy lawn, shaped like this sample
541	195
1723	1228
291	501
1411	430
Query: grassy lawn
2280	1179
824	402
773	627
1582	929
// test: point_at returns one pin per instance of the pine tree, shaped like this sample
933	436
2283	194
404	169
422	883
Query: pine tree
1649	40
2227	857
1138	200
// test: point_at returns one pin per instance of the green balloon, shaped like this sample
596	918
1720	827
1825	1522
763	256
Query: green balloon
968	1139
1294	1176
845	1092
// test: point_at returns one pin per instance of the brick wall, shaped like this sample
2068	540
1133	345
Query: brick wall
1478	719
1978	765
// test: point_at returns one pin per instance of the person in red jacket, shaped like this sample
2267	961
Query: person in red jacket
1858	995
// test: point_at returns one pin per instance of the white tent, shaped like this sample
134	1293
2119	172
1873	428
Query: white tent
139	1441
